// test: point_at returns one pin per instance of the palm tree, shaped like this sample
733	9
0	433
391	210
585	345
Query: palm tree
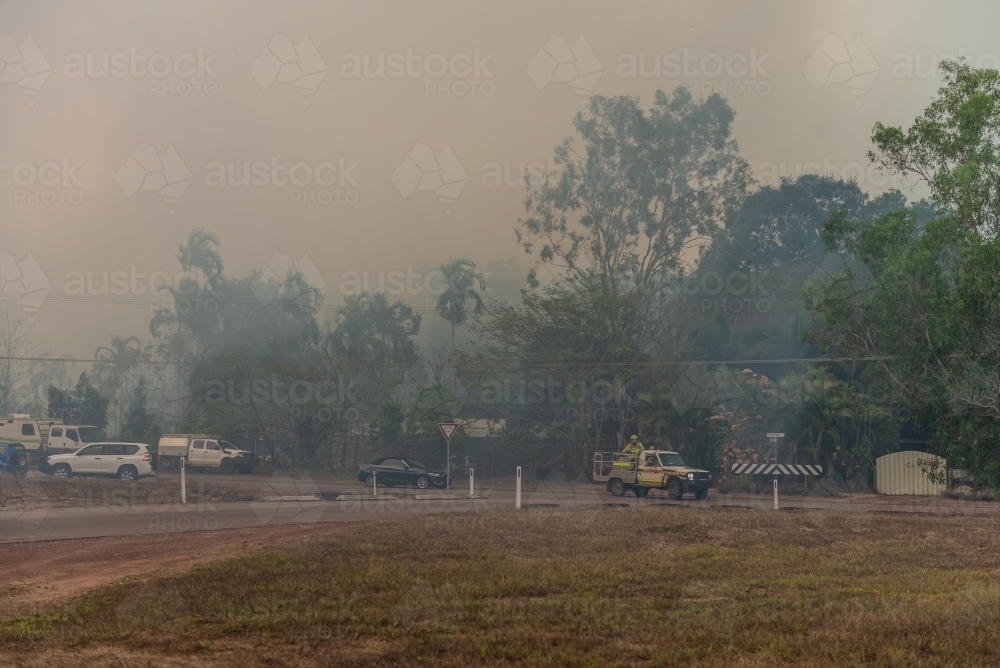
121	355
114	369
692	430
461	277
370	323
199	252
821	403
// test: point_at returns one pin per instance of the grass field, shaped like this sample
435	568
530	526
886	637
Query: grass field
597	586
79	492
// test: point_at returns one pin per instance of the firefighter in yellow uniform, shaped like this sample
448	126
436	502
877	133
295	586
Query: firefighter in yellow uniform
631	451
634	447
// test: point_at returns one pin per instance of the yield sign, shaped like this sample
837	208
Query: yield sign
448	429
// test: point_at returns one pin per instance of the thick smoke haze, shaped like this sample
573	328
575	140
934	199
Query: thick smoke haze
389	136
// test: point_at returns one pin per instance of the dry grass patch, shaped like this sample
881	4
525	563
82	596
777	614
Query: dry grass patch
49	492
587	587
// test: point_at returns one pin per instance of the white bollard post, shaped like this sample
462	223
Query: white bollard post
775	493
472	473
183	482
375	483
517	493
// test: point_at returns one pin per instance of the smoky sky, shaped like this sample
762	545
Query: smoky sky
389	136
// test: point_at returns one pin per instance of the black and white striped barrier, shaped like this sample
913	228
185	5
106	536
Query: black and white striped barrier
777	469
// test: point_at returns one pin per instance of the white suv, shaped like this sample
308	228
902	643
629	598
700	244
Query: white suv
127	461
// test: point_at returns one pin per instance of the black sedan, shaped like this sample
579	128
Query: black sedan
391	471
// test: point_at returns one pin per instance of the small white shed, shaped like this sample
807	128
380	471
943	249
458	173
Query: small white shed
899	474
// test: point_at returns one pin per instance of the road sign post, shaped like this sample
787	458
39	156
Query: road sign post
448	430
774	436
183	485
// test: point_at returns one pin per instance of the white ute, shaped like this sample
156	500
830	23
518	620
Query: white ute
126	461
201	452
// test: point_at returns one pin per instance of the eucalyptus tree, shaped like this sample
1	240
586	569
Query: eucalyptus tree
635	188
922	301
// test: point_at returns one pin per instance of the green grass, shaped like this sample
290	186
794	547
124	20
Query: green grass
587	587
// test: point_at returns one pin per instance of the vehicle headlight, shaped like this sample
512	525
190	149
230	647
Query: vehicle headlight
690	476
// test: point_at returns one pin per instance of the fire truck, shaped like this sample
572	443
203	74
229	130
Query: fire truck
650	469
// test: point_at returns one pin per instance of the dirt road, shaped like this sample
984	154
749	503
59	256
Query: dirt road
38	576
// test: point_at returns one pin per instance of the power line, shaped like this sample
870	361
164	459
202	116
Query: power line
287	306
542	365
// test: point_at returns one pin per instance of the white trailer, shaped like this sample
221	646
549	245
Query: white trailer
28	431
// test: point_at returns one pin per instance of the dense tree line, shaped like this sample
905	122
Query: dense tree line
669	295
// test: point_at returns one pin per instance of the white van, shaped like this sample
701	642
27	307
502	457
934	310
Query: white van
64	439
28	431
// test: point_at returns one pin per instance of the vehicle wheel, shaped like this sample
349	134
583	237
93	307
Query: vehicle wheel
227	467
674	490
616	487
128	474
423	482
22	462
701	494
370	479
641	492
62	471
